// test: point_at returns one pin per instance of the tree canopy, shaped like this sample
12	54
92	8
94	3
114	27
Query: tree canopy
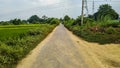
34	19
66	18
106	11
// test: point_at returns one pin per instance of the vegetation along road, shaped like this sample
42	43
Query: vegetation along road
61	49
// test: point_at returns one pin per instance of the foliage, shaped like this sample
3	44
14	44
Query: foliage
110	30
106	28
71	21
44	17
110	23
34	19
17	40
53	21
66	18
97	32
4	23
16	22
106	11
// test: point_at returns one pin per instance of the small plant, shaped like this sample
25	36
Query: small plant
110	30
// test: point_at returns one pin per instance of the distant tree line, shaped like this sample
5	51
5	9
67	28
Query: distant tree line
34	19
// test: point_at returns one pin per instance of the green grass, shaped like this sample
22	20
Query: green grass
99	32
17	41
15	31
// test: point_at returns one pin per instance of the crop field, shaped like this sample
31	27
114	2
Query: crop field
17	40
12	31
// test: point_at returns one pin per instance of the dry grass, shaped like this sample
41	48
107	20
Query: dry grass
100	56
108	55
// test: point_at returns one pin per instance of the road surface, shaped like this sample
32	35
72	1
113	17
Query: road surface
58	50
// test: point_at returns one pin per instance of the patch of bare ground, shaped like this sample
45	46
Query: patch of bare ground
106	56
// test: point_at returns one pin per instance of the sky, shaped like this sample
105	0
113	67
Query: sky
23	9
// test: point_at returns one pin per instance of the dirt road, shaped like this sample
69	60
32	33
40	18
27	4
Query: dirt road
61	49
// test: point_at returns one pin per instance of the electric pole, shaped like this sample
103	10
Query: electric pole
82	13
93	7
86	6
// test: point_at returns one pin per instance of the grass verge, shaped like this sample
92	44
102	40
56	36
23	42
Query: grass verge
17	41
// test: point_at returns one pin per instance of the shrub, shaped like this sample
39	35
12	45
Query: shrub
110	24
110	30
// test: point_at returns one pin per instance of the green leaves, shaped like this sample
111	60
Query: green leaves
106	12
34	19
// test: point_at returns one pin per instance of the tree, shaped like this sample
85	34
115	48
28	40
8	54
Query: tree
77	21
24	22
4	23
34	19
106	11
16	21
44	17
66	18
90	16
53	21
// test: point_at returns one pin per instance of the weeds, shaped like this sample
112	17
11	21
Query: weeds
17	41
102	32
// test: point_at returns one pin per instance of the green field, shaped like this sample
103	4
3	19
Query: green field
17	40
12	31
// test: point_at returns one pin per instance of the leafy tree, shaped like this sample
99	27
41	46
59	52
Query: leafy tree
24	22
34	19
106	11
49	20
44	17
4	23
55	21
91	16
61	19
16	21
66	18
85	21
77	21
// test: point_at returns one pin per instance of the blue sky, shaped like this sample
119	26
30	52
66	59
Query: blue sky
23	9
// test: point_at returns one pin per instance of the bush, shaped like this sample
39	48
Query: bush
109	24
110	30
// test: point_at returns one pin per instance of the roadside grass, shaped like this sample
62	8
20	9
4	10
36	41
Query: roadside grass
17	40
99	32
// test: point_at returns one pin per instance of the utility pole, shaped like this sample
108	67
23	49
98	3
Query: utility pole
86	6
82	13
93	6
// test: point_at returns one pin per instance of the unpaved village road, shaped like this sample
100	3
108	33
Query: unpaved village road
59	50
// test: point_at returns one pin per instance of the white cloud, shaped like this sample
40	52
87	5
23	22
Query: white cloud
23	9
44	2
48	2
